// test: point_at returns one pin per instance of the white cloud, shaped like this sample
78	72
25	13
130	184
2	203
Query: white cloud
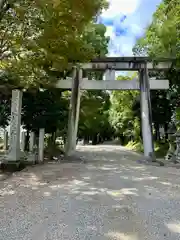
136	28
121	6
121	46
125	31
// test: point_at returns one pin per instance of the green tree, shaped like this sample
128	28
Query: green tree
39	40
4	109
44	114
5	98
162	36
122	118
44	109
94	124
162	39
42	36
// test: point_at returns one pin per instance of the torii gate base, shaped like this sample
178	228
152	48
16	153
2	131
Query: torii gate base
142	65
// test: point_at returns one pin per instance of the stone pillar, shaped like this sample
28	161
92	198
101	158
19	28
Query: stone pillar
5	139
31	141
15	123
32	155
110	74
107	75
41	145
146	117
80	75
23	139
72	114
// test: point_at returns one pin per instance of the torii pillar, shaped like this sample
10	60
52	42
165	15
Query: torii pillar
78	103
74	109
146	114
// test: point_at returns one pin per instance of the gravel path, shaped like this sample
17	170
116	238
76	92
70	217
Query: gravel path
108	197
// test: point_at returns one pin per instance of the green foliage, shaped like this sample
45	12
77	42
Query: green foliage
94	35
162	39
42	36
4	109
44	109
136	146
95	104
178	118
160	148
38	40
94	114
122	117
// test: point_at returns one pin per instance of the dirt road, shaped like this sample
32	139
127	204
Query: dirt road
109	196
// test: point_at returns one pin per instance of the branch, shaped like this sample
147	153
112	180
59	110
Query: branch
2	3
4	7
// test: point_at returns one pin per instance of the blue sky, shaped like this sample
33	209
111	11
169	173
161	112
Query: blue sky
126	21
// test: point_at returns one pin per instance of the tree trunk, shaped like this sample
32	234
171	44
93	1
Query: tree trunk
86	140
166	131
27	141
157	133
94	139
53	137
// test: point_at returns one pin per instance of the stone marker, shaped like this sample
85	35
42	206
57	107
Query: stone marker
41	145
23	140
32	155
14	153
32	141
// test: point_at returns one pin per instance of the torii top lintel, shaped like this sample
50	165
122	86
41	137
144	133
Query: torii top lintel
128	63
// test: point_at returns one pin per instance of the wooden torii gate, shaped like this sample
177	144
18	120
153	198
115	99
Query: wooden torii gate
109	65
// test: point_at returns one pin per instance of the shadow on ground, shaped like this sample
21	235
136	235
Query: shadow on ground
108	197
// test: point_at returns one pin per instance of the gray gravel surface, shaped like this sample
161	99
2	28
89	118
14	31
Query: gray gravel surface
108	197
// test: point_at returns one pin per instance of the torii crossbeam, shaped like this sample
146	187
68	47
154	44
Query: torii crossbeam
86	84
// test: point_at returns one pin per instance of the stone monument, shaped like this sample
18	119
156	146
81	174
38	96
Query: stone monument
14	153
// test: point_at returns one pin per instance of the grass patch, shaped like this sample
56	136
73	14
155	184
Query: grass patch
135	146
53	150
159	147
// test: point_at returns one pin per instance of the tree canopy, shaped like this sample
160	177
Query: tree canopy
162	39
38	37
38	40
